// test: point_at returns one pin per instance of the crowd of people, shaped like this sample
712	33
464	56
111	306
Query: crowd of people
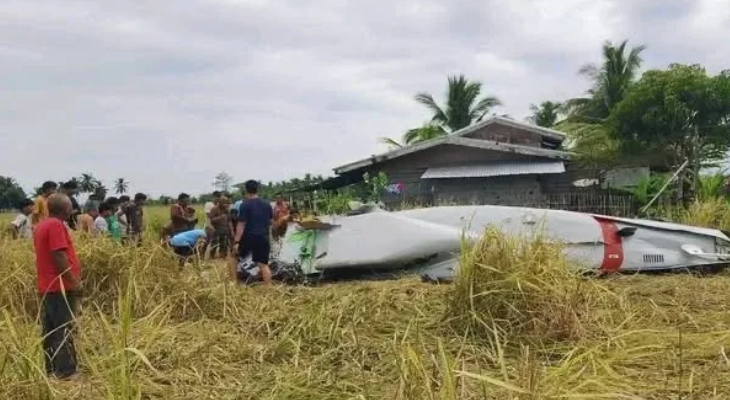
243	230
119	218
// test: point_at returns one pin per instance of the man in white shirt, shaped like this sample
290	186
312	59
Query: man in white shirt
22	227
101	226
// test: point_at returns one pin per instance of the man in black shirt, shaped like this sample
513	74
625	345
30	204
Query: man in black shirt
254	229
70	189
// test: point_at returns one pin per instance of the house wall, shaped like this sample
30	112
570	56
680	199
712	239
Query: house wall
501	190
408	169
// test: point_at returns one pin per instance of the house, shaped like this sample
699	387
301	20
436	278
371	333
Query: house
496	161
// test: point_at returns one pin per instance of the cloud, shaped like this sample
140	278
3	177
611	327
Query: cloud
168	93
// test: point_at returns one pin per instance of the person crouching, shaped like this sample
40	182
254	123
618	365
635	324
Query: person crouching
187	244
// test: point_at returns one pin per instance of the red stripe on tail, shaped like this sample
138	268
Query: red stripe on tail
613	250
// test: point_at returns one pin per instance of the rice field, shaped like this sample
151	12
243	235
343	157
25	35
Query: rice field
515	325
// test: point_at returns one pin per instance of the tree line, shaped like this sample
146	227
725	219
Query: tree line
11	193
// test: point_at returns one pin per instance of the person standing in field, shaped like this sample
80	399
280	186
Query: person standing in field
85	222
114	228
59	285
101	223
94	200
211	204
281	217
70	189
134	213
21	225
220	220
253	230
207	208
40	209
182	215
124	201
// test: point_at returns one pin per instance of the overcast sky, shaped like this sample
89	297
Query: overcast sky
168	93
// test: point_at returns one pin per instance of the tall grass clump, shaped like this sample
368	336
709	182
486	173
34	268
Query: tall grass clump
709	213
522	286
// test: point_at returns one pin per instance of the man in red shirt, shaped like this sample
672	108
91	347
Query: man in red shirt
59	276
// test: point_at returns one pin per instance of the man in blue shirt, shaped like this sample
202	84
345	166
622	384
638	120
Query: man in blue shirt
253	230
185	244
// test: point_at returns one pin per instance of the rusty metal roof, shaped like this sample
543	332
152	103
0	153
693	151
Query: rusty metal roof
495	169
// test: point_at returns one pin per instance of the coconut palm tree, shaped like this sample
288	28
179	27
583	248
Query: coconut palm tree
426	132
121	186
463	107
87	183
610	81
546	114
463	104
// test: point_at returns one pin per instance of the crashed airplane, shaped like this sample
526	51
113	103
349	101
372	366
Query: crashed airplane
429	239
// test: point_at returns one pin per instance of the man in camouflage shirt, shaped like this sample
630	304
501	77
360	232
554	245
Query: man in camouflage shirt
134	212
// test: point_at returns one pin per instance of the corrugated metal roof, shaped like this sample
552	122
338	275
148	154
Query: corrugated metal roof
495	169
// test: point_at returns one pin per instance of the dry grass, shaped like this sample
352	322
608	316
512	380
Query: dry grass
520	326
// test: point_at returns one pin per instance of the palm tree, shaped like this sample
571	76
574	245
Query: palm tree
610	80
121	186
546	114
87	183
463	106
100	191
426	132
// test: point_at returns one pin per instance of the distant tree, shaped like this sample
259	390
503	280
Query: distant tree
610	81
100	191
10	193
121	186
87	183
546	114
223	182
682	110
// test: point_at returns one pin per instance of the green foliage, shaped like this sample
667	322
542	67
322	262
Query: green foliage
546	114
335	203
594	146
375	184
426	132
646	189
463	105
682	110
10	193
610	82
87	183
711	186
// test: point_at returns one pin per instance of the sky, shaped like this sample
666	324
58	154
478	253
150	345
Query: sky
168	93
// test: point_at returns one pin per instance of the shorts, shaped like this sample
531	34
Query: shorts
256	246
183	251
